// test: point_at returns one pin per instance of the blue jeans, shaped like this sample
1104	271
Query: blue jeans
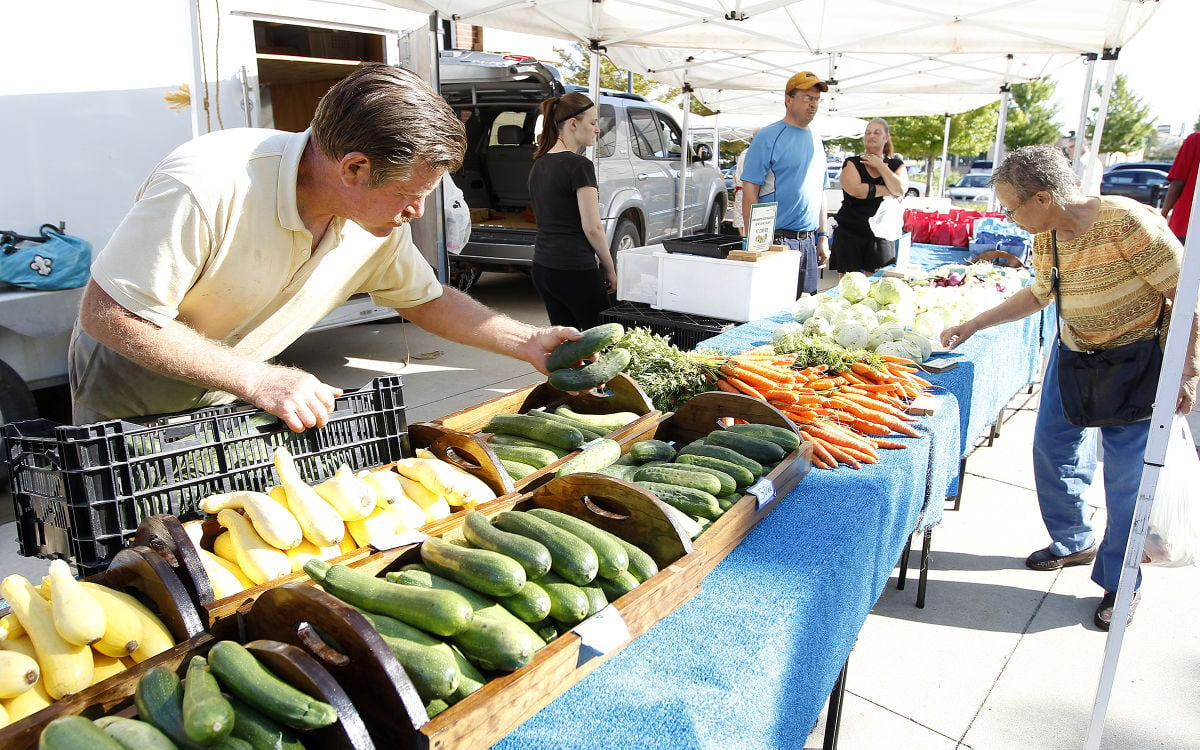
810	267
1064	462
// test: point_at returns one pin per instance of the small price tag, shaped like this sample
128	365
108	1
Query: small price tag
764	490
400	540
602	633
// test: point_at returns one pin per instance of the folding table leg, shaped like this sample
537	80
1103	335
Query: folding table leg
962	475
904	557
924	577
833	718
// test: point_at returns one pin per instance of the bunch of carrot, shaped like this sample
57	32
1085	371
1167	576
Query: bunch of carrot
847	416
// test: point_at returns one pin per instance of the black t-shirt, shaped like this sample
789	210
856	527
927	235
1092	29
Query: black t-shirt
560	241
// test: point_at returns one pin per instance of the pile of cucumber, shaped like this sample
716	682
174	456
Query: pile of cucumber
487	605
229	701
530	441
569	365
704	478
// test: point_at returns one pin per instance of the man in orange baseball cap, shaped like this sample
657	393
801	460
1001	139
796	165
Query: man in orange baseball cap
785	164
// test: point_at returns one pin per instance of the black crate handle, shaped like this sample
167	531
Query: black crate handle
51	455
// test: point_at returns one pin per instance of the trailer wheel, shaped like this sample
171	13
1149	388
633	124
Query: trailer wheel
16	405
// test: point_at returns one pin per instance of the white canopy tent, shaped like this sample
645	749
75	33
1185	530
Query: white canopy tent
881	57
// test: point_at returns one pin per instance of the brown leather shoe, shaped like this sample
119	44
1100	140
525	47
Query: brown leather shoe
1104	611
1044	559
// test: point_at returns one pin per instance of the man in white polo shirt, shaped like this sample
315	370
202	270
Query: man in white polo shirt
242	239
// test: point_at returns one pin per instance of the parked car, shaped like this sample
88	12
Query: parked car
1148	186
728	174
972	188
981	166
637	164
1159	166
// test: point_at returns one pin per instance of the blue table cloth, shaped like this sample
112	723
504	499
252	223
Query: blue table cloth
750	661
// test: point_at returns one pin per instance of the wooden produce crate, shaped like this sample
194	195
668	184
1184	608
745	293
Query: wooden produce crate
700	416
165	534
377	683
140	572
621	393
291	664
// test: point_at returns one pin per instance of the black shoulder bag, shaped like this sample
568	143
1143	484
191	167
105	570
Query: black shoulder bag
1108	386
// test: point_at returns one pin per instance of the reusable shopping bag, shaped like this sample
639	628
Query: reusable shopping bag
51	260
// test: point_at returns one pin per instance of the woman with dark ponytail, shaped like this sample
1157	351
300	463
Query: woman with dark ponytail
566	202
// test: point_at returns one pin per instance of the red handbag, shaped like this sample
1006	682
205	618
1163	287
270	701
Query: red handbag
960	233
939	233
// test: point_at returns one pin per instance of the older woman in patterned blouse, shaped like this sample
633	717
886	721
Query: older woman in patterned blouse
1117	263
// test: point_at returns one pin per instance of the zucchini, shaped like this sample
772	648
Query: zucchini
261	731
437	612
641	565
516	470
572	558
727	482
536	457
530	604
615	588
619	471
598	455
500	438
531	554
782	437
569	604
242	674
651	450
596	598
593	375
428	661
207	716
495	640
679	477
470	678
158	696
763	451
589	434
133	734
487	572
740	474
602	423
592	340
689	501
613	560
231	743
725	454
536	428
75	733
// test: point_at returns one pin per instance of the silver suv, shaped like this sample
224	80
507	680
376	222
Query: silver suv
637	164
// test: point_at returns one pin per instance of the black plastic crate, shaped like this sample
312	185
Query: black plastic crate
706	245
685	331
81	491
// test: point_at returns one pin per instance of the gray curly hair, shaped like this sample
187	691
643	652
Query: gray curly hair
1031	169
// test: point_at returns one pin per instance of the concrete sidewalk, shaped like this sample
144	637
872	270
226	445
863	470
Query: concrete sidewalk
1000	657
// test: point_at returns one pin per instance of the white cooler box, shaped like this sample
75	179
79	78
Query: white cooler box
727	289
637	274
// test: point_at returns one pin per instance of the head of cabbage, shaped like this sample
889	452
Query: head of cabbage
854	286
890	290
851	334
804	307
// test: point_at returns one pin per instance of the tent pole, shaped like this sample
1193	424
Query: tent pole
594	93
685	148
1161	426
1089	174
945	157
1077	157
1001	123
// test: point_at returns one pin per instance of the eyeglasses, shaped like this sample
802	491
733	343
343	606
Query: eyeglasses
1008	212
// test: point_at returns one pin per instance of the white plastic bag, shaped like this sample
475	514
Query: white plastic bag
888	221
458	216
1173	537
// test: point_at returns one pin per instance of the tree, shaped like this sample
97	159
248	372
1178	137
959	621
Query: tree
575	65
920	136
1032	116
1127	125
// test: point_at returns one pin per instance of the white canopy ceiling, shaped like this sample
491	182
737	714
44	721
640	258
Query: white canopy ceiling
885	57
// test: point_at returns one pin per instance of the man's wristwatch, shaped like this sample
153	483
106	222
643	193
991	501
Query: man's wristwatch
822	234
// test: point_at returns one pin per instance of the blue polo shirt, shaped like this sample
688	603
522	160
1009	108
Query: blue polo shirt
795	159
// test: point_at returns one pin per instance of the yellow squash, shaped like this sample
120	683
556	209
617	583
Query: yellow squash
78	617
320	522
432	505
225	577
155	639
67	667
390	493
272	520
351	497
123	629
258	560
18	672
10	627
32	700
106	666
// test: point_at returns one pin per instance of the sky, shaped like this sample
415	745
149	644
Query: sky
1152	61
